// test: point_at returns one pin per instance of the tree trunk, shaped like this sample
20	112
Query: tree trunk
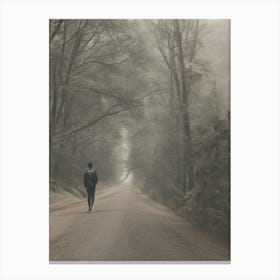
52	124
185	85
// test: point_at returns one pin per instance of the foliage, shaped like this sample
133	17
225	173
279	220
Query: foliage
140	97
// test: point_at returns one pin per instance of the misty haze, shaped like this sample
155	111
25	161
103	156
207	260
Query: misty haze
139	140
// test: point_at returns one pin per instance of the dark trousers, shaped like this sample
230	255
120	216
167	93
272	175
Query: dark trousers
91	193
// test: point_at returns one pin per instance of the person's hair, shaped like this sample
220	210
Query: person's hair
89	165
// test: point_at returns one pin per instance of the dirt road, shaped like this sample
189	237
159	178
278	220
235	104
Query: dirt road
127	226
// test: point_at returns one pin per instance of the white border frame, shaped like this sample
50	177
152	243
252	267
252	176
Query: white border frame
255	138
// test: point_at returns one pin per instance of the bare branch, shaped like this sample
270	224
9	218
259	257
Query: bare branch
56	29
108	113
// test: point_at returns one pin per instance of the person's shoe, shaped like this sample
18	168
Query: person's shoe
90	209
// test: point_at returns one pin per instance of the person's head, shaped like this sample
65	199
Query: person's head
90	165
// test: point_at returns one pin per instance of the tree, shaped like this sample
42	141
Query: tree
179	42
82	53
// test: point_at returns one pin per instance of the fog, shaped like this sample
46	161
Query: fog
148	103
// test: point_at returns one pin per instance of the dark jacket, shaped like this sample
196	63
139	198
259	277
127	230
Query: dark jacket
90	178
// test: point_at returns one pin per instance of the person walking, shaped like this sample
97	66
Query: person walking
90	182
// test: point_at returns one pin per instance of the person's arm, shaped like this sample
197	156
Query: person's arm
96	180
85	180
